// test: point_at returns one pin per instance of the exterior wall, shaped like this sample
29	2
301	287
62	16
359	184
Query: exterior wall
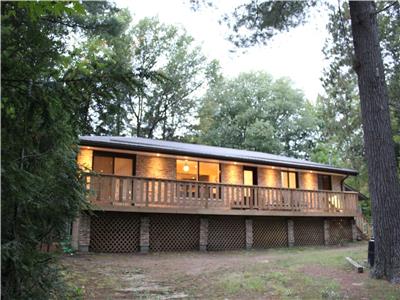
231	174
156	167
165	168
308	181
269	177
336	183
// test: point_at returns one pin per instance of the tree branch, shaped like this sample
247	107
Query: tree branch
387	7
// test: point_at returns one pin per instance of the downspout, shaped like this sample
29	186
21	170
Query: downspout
342	181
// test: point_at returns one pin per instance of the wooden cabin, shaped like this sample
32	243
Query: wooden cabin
153	195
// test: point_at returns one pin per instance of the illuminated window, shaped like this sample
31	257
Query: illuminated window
209	172
197	171
289	180
186	170
103	164
114	163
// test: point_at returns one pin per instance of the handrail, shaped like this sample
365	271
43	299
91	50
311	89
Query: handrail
363	225
220	184
169	193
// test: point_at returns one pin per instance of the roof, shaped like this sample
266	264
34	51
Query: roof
361	196
178	148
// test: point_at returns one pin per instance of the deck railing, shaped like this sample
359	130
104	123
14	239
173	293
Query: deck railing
165	193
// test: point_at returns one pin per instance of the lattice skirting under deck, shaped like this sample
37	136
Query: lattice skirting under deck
226	233
170	232
270	232
120	232
114	232
340	231
308	231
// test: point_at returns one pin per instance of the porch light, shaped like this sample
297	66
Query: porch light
186	167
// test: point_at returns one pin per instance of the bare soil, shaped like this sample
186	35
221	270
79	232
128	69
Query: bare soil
302	273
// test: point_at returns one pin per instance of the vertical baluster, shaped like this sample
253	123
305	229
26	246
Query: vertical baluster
165	194
146	190
121	190
174	193
141	191
159	190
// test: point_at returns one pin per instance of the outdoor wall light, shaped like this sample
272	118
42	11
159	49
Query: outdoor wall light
186	167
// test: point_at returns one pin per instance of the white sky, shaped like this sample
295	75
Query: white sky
295	54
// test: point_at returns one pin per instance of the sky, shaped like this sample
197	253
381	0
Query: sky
296	54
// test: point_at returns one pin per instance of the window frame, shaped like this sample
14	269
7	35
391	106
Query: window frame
217	195
288	179
115	155
198	171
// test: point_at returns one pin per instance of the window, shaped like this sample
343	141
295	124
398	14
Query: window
324	182
186	170
114	163
208	172
197	171
289	180
103	164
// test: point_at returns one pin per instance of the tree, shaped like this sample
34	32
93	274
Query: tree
384	183
40	187
102	59
42	89
164	107
257	22
146	79
341	129
338	109
255	112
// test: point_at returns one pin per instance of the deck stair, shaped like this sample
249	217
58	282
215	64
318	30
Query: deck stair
363	225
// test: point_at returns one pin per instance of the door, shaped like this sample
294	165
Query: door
249	179
123	186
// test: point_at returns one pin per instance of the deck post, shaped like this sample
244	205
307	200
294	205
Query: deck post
326	232
249	234
84	232
75	234
354	229
144	234
203	234
290	226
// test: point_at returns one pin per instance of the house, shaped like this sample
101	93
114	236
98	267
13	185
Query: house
153	195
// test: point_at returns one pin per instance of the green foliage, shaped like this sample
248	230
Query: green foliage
145	79
255	112
42	86
164	108
256	22
339	109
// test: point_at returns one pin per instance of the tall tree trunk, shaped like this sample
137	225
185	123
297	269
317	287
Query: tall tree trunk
384	185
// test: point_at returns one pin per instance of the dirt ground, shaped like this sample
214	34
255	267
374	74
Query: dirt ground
297	273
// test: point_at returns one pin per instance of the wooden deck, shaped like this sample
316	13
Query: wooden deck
138	194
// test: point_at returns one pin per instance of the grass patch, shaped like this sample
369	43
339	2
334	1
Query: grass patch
251	283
